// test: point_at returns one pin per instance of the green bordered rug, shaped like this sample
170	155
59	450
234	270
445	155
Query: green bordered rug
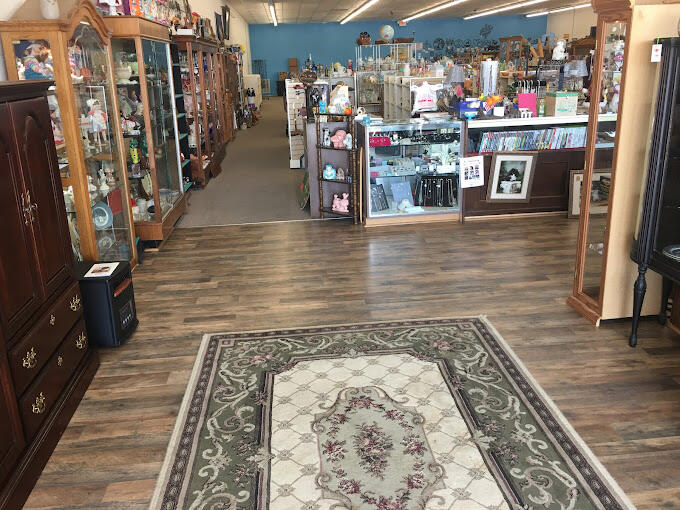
427	414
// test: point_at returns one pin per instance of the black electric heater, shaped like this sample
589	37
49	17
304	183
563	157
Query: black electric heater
109	305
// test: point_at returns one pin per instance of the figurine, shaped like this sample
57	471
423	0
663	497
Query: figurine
92	189
56	126
341	205
338	139
340	174
85	130
404	205
108	170
327	137
103	186
348	141
560	51
329	173
134	151
99	120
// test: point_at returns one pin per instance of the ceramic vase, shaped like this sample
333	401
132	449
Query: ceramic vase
49	9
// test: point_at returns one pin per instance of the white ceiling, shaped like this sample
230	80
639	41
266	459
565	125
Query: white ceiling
320	11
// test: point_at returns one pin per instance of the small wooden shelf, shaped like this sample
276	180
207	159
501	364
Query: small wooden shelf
343	149
338	181
331	211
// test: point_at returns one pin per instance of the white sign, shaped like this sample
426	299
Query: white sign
472	172
656	52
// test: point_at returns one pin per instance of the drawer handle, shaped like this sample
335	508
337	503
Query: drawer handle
39	405
81	343
29	360
53	320
75	303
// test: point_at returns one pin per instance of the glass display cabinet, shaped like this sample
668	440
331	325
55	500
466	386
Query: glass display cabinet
195	57
145	89
605	91
410	171
75	52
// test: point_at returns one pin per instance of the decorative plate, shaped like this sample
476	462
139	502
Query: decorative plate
672	251
102	215
147	184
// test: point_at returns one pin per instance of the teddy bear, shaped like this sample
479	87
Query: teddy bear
341	205
338	139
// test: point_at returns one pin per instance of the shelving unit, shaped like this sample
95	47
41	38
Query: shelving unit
352	179
295	99
144	82
399	97
86	126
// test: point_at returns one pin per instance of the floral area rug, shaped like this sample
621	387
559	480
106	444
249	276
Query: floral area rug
430	414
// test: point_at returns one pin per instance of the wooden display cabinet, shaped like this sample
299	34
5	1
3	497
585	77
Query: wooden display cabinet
604	275
198	86
512	50
145	89
75	53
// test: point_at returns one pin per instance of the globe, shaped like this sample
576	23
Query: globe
386	33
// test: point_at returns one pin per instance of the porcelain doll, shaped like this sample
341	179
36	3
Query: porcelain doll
108	170
92	189
103	185
99	120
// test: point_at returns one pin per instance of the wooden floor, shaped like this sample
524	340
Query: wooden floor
625	403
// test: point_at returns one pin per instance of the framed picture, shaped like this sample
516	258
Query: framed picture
512	174
472	172
219	26
226	18
599	192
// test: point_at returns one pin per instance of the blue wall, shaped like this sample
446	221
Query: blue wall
333	42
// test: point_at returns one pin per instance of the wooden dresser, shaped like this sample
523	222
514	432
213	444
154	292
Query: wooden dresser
45	360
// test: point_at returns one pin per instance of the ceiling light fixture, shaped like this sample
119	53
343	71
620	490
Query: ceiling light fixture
563	9
359	11
506	8
433	9
272	11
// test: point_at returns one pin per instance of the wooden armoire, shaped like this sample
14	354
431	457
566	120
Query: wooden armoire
46	363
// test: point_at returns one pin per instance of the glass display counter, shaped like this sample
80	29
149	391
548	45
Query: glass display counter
148	122
76	54
411	171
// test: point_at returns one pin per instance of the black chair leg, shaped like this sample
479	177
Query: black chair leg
638	298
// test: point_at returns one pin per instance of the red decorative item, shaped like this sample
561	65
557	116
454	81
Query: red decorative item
379	141
115	199
364	39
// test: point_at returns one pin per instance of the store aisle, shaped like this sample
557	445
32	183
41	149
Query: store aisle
256	184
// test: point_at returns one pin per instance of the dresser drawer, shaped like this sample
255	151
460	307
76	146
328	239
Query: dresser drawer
39	399
33	350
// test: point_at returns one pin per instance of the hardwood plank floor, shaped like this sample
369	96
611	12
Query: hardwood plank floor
625	403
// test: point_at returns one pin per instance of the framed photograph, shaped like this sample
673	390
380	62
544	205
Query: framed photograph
599	192
472	172
226	18
512	174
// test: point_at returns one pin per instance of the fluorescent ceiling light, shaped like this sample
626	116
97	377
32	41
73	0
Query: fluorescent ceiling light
359	11
433	9
563	9
506	8
272	11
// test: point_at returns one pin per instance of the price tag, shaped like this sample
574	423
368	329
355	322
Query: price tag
656	52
